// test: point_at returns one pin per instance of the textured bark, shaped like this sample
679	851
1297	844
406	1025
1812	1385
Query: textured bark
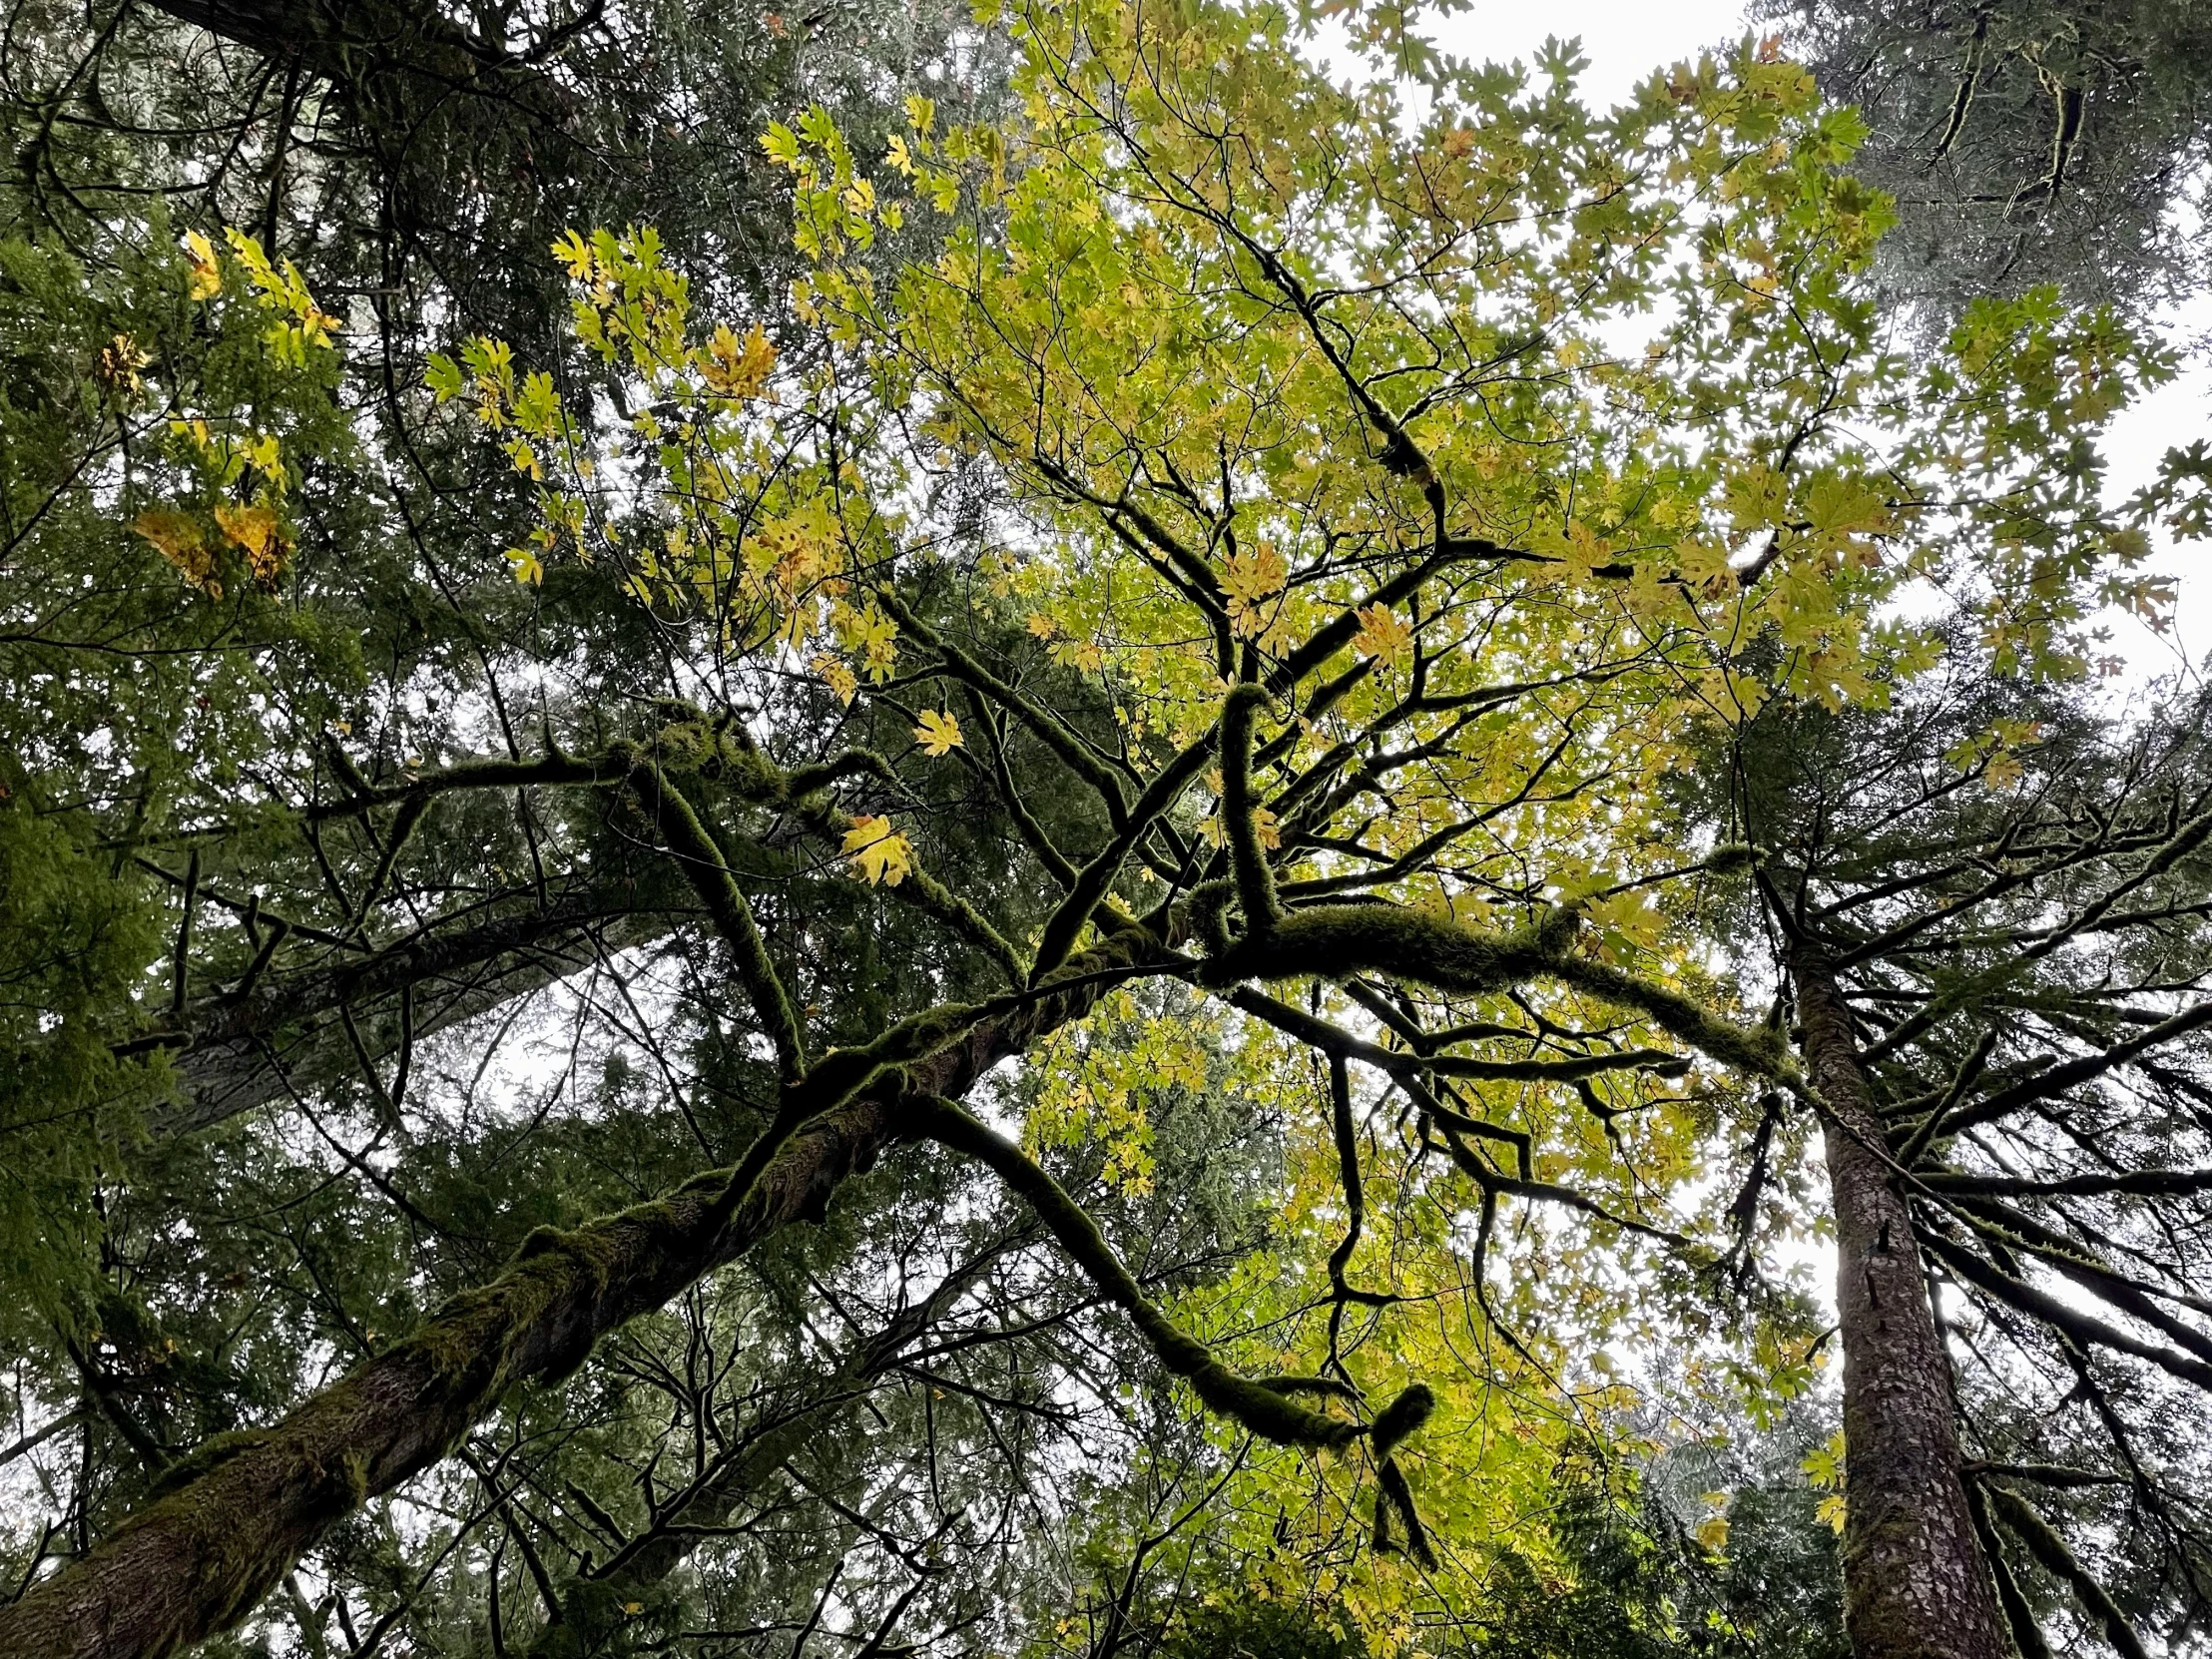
243	1508
1914	1583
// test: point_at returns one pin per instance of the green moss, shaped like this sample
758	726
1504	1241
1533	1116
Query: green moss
1414	946
1403	1418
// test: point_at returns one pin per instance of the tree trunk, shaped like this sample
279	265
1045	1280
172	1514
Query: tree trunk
239	1055
245	1508
1914	1583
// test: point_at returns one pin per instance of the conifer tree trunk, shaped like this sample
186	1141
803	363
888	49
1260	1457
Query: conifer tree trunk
1915	1584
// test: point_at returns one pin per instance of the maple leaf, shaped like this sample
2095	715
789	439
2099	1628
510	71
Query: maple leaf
879	852
207	270
1250	580
177	537
1381	634
120	363
938	733
738	368
843	681
255	531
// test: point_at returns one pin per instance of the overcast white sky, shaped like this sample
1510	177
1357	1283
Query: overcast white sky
1625	40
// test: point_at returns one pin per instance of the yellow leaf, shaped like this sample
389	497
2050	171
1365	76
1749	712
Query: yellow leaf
879	852
177	537
843	681
1713	1533
938	733
1250	580
207	270
1381	634
1042	626
1264	827
574	252
529	569
255	532
738	368
120	363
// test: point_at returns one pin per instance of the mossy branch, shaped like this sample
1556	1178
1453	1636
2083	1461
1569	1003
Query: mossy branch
1411	946
1758	1049
718	890
1929	1126
2025	1522
1075	912
1253	1406
2020	1617
1240	830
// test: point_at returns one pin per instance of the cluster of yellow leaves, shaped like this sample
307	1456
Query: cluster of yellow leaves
252	530
279	290
1093	1079
1251	580
716	504
121	360
1382	635
178	538
202	268
1825	1467
234	459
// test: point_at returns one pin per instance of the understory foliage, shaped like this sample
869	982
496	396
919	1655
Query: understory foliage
1041	946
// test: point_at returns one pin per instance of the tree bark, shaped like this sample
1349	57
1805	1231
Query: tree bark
243	1508
1914	1582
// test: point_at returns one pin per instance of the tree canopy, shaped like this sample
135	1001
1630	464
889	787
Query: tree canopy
1122	903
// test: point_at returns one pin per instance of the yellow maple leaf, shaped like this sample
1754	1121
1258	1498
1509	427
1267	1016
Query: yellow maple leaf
177	537
939	731
1264	827
207	270
529	569
1042	625
738	368
1251	580
879	852
1381	634
120	363
843	681
255	531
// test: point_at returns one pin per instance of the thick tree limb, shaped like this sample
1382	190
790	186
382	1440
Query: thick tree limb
245	1508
